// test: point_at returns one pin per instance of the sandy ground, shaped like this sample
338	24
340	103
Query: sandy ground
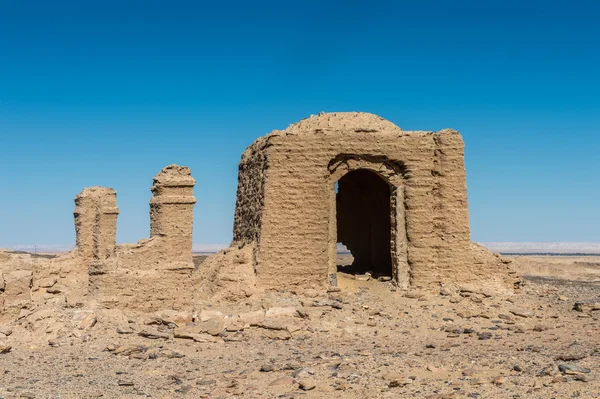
366	341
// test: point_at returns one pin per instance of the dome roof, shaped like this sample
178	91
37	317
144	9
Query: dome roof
343	122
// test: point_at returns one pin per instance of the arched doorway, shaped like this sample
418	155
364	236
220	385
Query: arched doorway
368	215
363	218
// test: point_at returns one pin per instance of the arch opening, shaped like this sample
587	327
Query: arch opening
364	222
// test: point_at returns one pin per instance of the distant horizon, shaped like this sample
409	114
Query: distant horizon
498	247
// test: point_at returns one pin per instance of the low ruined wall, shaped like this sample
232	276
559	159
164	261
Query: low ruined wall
157	272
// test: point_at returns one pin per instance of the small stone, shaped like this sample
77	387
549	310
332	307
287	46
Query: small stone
311	293
583	377
127	350
414	295
569	368
307	384
563	298
571	357
289	311
5	330
206	382
266	368
170	354
47	282
518	368
499	380
444	291
5	349
522	313
484	336
124	330
327	302
125	383
587	306
88	322
178	318
153	334
286	380
394	380
253	318
207	314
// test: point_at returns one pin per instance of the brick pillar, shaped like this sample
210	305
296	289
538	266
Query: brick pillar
96	224
172	212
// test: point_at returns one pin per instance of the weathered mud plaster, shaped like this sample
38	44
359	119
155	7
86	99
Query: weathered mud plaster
286	203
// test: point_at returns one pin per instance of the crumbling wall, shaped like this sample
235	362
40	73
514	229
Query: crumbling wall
250	193
156	272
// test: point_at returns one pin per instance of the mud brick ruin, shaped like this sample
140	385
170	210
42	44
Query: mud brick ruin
396	199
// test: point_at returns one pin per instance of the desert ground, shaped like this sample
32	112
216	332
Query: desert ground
363	340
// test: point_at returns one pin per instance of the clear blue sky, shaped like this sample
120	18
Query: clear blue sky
108	92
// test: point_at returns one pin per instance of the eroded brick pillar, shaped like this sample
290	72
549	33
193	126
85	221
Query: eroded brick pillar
96	215
172	212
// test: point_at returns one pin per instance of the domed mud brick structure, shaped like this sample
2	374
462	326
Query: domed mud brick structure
397	200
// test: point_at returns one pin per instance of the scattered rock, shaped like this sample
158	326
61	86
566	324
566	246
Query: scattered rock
307	384
266	368
127	350
587	306
499	380
88	322
396	380
583	377
153	334
207	314
327	302
570	368
170	354
285	380
124	330
571	357
253	318
5	330
289	311
522	313
177	318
